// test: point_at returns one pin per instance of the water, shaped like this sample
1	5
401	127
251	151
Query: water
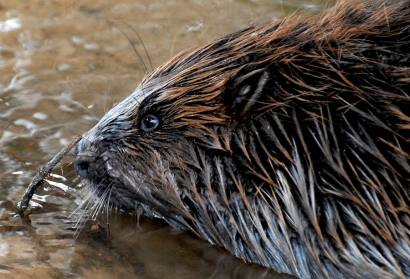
62	65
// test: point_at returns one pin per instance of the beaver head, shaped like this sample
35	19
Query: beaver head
154	148
287	144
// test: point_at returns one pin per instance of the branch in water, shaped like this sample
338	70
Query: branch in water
42	174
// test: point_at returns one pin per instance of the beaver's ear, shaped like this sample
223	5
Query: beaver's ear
245	89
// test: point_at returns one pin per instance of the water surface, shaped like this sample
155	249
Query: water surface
62	65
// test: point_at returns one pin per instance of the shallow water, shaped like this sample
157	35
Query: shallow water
63	63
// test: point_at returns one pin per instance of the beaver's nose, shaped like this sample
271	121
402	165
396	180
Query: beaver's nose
84	165
84	161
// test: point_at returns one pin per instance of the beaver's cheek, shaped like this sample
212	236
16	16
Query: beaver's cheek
111	169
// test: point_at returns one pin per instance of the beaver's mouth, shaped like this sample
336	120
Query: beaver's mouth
105	180
122	184
106	184
124	192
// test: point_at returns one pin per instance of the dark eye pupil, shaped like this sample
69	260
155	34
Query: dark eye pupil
149	122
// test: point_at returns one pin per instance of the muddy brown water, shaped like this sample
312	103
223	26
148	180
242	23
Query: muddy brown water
63	63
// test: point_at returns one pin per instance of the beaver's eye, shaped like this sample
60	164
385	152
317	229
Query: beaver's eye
149	122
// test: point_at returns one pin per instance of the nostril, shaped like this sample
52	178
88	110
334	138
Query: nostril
83	165
84	158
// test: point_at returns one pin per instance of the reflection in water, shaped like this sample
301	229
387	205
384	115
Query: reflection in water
62	65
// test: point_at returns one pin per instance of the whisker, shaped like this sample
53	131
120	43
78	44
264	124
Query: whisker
95	206
107	210
132	44
84	209
142	43
100	204
80	206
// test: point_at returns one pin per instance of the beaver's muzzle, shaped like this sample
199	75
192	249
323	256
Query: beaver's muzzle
85	160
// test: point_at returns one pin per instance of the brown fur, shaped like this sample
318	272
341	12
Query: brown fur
288	144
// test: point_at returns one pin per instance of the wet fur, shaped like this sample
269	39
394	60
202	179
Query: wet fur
287	144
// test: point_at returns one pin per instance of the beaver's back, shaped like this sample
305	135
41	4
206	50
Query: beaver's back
329	147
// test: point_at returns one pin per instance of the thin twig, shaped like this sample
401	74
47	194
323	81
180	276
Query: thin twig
42	174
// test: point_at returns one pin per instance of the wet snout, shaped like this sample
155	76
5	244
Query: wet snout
85	160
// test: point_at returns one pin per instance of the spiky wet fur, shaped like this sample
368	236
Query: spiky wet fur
310	176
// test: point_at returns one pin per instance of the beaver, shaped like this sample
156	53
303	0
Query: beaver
288	144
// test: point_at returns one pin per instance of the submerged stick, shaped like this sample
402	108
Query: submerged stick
42	174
